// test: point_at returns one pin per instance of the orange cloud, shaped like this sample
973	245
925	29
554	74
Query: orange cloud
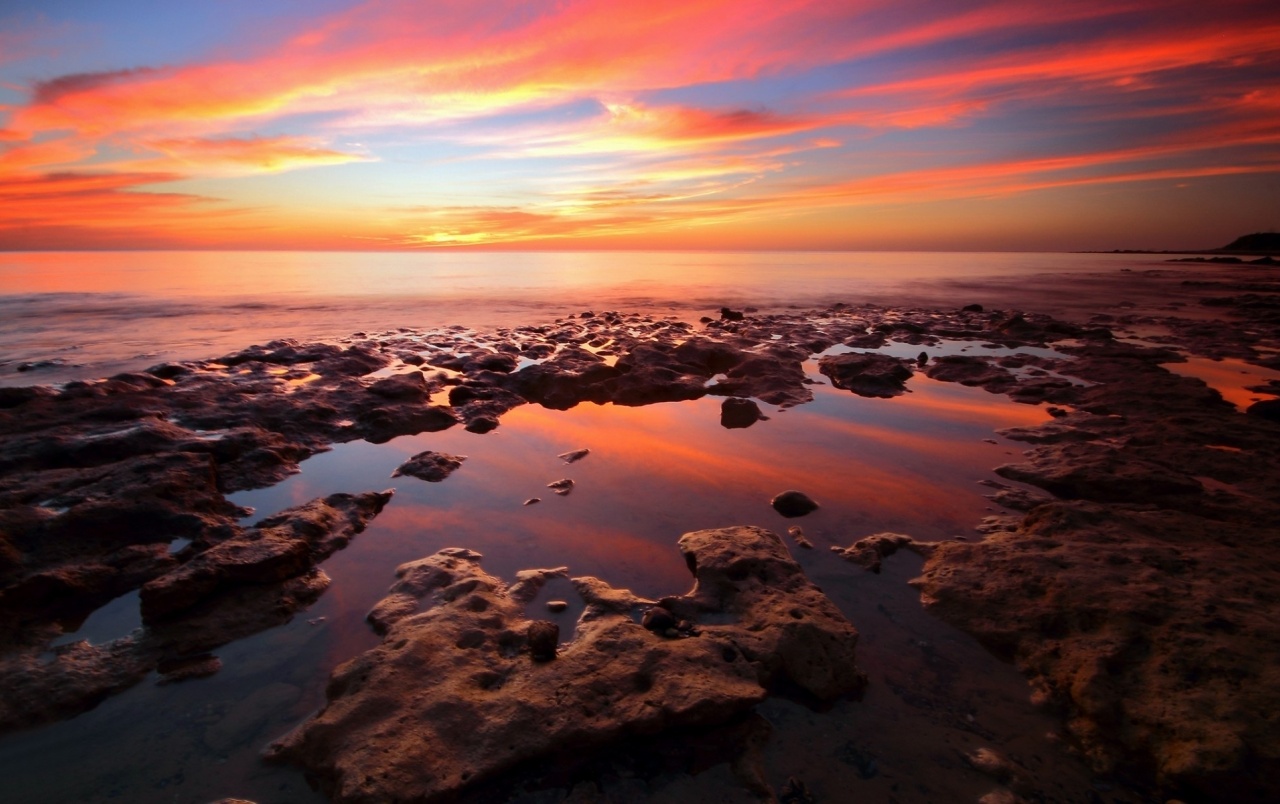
460	76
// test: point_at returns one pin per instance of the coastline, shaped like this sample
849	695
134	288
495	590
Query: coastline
1107	458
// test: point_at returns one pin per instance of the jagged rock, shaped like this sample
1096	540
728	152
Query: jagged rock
561	487
385	736
278	548
570	377
797	534
973	371
872	375
870	552
573	456
430	466
775	375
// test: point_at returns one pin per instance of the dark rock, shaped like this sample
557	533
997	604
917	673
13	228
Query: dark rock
381	424
658	619
13	397
737	413
572	376
1266	409
971	371
544	639
482	424
407	387
730	315
793	504
971	308
277	548
574	456
775	375
871	375
430	466
710	357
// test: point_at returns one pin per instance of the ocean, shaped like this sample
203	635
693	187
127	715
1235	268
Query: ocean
85	315
918	464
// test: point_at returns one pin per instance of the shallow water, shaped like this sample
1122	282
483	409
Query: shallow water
909	464
86	315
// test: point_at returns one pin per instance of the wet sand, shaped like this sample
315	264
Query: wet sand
911	464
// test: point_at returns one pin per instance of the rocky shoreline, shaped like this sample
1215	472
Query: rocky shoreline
1134	593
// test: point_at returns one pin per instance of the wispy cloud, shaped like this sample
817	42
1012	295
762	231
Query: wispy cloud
517	122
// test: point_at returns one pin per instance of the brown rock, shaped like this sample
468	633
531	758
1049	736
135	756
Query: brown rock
871	551
280	547
430	466
385	736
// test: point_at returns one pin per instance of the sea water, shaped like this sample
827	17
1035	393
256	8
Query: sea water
914	464
86	315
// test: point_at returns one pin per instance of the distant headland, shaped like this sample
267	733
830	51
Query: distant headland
1258	244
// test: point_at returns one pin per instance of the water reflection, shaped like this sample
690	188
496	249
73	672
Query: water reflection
1229	377
908	464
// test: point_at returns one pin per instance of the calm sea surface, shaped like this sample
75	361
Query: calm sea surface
82	315
914	464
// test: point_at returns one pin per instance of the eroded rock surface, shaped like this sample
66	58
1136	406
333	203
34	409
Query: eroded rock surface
452	697
255	580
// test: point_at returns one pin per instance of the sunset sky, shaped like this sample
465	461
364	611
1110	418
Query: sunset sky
584	124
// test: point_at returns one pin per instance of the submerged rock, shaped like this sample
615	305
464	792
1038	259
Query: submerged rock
386	736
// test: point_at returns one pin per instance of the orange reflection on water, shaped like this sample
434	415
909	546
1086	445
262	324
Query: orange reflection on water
1228	377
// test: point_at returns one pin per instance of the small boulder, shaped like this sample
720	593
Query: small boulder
737	413
430	466
793	503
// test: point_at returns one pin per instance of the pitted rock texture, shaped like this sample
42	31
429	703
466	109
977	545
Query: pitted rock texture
452	696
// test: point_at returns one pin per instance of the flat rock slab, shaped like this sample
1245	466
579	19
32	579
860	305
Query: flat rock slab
452	696
430	466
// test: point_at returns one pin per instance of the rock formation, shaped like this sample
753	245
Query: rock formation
452	696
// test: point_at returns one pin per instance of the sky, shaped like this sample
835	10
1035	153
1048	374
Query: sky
586	124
